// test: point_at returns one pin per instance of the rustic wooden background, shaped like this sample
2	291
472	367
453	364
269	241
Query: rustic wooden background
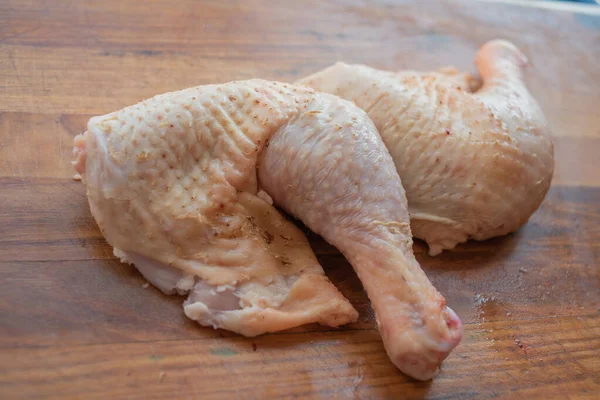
75	323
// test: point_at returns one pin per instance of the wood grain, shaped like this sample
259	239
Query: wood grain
322	364
75	323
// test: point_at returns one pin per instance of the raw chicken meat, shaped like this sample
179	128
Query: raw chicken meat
473	164
182	186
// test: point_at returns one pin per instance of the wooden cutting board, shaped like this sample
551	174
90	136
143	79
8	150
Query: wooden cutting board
75	323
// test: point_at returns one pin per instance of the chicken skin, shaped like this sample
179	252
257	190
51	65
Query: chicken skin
474	163
183	186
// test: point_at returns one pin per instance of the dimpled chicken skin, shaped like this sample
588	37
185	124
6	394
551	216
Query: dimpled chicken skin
183	186
474	163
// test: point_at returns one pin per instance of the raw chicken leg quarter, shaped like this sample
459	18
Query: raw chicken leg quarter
474	165
182	186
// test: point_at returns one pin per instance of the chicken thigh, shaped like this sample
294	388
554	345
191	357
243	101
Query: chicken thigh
182	186
473	164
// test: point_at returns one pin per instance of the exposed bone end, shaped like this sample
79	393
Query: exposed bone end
500	59
79	151
422	360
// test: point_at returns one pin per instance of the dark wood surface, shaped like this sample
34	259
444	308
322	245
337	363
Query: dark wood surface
75	323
